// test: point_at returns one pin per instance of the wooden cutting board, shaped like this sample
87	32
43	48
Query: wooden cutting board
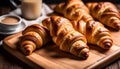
50	57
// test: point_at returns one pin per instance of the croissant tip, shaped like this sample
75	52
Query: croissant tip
28	51
85	54
117	26
107	45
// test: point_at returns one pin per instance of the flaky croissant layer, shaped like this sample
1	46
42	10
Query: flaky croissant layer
95	33
64	35
106	13
74	10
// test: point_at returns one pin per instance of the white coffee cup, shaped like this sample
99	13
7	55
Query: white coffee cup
9	23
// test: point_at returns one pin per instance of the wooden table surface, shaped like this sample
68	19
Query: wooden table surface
7	61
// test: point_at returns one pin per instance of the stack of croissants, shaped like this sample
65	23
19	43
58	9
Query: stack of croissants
74	27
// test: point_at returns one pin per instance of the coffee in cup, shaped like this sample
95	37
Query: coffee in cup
10	20
9	23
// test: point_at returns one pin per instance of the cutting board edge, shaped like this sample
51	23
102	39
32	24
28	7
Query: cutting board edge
104	62
100	64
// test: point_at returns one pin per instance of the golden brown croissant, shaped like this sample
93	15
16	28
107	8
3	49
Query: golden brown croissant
95	33
105	12
33	37
65	36
74	10
83	22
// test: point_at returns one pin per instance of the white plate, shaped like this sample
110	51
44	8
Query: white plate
20	28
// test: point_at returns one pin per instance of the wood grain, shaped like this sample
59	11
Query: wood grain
51	57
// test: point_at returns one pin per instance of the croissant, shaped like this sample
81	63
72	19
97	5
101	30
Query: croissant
95	33
105	12
83	22
65	36
74	10
33	37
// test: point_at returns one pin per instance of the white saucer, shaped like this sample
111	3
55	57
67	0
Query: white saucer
20	28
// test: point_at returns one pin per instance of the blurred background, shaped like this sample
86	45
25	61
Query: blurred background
8	5
57	1
7	2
